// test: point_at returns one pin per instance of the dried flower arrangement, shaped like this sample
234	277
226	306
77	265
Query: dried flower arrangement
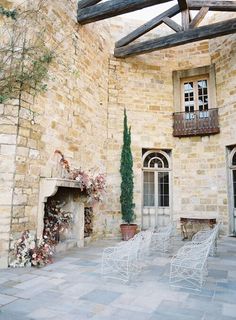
56	221
91	185
42	254
29	252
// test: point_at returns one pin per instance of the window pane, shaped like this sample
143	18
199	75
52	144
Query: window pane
163	189
188	97
148	189
234	160
156	162
202	95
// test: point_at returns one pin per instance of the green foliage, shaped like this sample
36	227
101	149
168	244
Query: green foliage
126	171
24	56
8	13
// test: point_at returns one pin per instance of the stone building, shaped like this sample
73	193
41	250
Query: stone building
188	170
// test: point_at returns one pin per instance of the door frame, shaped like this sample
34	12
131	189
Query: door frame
232	209
169	169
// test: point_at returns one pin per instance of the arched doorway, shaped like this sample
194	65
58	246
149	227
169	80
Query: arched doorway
156	206
232	190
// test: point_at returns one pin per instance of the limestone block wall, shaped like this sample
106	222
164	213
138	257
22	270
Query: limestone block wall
70	116
143	85
223	53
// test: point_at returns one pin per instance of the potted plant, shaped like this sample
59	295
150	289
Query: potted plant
128	229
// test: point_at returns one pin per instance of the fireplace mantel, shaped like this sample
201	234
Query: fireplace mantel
48	187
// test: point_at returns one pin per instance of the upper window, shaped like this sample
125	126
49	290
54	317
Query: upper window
194	91
195	96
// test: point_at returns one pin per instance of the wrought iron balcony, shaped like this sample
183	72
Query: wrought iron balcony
196	123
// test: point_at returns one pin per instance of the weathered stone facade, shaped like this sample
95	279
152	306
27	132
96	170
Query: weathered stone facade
144	86
81	114
71	116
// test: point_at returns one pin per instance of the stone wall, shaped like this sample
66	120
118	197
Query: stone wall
223	53
143	85
70	116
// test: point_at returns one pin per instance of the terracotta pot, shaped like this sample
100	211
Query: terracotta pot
128	231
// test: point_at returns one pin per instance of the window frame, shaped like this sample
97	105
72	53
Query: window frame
195	92
195	73
156	170
232	168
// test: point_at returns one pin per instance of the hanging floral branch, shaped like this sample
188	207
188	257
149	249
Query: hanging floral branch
63	162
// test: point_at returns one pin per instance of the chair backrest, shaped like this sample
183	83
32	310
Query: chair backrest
131	247
202	249
145	242
203	235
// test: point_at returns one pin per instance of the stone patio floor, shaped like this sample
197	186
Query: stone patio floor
71	289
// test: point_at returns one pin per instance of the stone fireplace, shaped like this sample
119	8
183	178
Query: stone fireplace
66	192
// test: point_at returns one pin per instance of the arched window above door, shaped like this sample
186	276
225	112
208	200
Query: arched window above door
156	159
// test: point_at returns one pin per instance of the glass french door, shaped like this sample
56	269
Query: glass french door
234	199
156	194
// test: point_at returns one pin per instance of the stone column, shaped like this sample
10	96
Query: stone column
8	134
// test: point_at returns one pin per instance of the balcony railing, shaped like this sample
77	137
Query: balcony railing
196	123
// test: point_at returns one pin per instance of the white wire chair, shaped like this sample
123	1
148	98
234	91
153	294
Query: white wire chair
122	262
161	238
127	258
188	268
202	235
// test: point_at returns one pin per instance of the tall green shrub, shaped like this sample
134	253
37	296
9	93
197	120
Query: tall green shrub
126	171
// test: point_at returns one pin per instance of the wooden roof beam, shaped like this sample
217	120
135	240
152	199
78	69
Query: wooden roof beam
185	17
113	8
183	4
199	17
213	5
177	39
172	24
87	3
148	26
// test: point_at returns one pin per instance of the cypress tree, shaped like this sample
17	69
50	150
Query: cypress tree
126	171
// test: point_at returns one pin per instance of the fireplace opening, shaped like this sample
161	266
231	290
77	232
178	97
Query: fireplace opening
57	221
88	221
63	221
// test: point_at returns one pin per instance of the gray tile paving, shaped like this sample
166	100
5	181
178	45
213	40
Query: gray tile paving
71	289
